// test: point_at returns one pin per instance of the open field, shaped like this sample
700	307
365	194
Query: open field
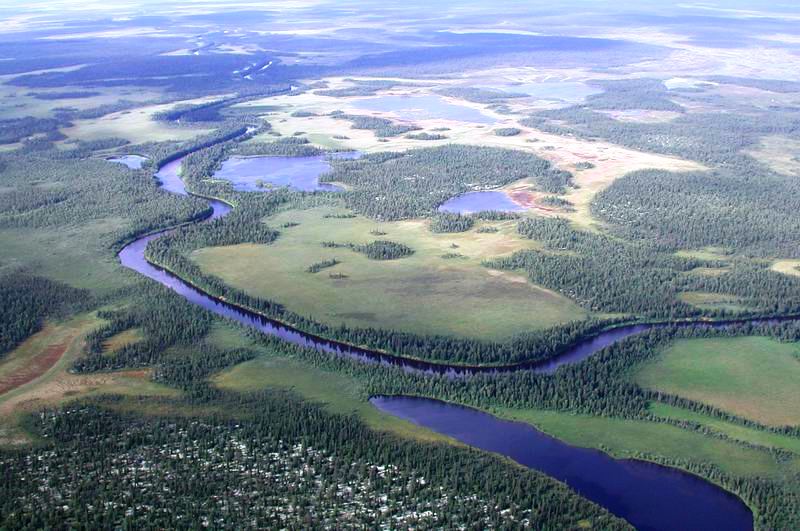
338	392
422	293
35	375
17	102
135	125
729	429
753	377
713	301
779	153
787	267
627	438
75	255
122	339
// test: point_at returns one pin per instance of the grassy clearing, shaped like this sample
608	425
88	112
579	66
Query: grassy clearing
734	431
135	125
423	293
708	253
712	301
338	392
627	438
16	102
753	377
75	255
787	267
779	153
124	338
55	384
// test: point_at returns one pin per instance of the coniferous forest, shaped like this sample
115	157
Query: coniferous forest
228	236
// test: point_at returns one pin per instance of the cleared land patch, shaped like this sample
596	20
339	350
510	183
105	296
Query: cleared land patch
712	301
440	289
136	125
47	382
753	377
633	438
787	267
730	429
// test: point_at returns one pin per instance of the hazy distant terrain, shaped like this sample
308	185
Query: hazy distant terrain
216	217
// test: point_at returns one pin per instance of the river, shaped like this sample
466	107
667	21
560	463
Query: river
649	496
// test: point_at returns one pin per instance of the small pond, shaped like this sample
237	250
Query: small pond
472	202
134	162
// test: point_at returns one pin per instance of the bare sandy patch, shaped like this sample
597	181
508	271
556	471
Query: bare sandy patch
780	153
787	267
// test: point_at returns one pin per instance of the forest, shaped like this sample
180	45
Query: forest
392	186
135	427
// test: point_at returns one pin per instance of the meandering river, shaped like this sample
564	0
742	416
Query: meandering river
649	496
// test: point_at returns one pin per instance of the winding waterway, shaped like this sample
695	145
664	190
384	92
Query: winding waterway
649	496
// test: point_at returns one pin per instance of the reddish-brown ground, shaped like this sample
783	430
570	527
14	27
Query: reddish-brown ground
527	199
38	365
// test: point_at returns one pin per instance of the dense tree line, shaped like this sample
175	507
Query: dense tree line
480	95
383	250
643	278
324	264
426	136
382	127
164	319
714	138
16	129
751	214
451	222
241	467
27	300
81	190
363	87
599	272
633	94
391	186
507	131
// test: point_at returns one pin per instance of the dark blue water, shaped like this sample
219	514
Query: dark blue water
134	162
472	202
299	173
649	496
424	107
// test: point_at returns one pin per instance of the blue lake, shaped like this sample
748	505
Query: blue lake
299	173
427	107
472	202
649	496
134	162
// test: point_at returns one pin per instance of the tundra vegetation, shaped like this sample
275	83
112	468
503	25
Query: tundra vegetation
109	381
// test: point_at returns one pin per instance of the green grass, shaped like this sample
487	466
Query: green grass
423	293
627	438
339	393
72	254
135	125
753	377
713	301
734	431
